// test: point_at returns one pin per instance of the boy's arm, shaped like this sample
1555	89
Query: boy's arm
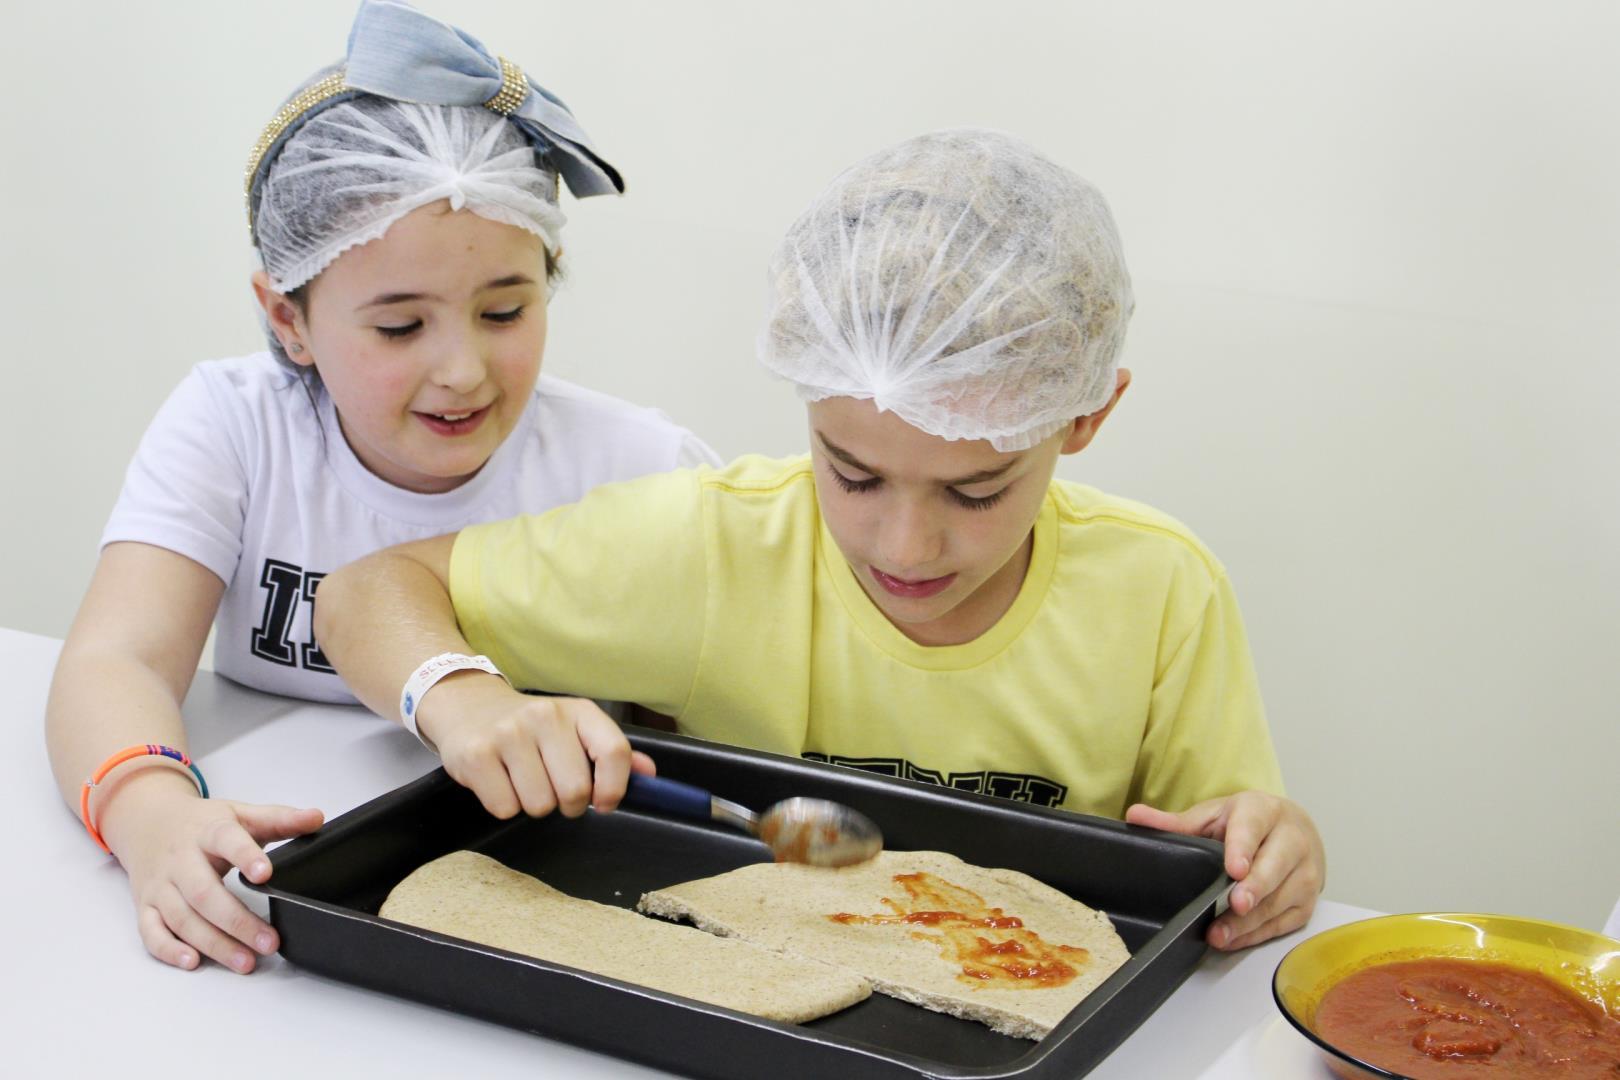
379	618
1208	755
1273	852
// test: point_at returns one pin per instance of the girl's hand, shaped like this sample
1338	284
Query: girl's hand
176	847
1273	852
520	752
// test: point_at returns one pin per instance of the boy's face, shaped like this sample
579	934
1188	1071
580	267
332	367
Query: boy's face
936	531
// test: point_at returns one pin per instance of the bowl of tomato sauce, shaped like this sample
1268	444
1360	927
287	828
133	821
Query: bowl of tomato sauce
1452	996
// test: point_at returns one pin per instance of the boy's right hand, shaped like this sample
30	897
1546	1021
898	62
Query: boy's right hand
176	848
521	752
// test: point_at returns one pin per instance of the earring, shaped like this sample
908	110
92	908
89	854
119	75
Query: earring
295	348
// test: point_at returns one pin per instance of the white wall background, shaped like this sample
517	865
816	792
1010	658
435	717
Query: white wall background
1377	254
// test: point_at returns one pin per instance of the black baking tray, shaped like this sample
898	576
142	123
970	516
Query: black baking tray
1159	889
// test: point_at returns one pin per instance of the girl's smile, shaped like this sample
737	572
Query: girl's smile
454	424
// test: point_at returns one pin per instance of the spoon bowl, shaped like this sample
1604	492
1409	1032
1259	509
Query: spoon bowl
815	832
819	833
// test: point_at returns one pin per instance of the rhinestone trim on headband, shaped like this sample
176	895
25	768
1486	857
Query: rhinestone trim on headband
513	92
305	100
514	89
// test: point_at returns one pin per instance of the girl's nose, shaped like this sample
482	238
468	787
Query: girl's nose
461	366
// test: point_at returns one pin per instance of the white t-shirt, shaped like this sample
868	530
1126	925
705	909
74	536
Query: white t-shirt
240	472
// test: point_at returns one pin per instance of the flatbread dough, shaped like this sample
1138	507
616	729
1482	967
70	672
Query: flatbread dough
786	907
471	896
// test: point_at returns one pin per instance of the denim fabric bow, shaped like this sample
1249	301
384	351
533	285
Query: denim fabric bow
395	51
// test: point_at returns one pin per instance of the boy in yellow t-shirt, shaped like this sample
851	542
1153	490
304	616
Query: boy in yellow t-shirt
917	596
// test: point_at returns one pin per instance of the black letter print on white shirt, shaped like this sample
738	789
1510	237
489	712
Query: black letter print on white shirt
287	586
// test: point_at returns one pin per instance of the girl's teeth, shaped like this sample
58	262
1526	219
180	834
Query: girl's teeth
453	417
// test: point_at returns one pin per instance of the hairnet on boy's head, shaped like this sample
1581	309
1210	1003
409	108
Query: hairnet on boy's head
959	280
354	169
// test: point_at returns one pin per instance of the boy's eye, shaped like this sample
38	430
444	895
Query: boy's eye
403	330
983	502
854	485
506	316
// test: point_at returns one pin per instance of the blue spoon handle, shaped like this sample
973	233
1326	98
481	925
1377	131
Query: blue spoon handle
668	796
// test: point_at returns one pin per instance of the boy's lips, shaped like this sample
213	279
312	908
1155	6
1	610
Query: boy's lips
453	423
911	590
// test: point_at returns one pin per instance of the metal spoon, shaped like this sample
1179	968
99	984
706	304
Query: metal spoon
812	831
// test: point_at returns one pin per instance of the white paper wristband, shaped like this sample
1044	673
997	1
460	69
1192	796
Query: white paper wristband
423	679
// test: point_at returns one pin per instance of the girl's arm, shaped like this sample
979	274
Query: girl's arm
125	668
127	663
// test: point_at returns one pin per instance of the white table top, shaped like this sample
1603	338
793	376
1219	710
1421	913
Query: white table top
82	992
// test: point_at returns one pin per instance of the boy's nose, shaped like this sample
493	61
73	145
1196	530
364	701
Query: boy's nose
911	539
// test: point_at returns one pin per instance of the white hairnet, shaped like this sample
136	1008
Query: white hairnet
356	168
959	280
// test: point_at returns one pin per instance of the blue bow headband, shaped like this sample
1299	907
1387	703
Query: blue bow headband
397	52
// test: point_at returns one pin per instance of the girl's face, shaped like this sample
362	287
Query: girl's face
429	340
937	532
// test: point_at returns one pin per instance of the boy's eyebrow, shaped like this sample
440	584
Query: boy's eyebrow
402	297
979	477
844	455
985	474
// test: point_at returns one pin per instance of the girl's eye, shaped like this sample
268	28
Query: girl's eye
505	316
968	502
854	485
406	330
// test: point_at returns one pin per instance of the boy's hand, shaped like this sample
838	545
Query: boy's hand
520	752
176	847
1273	852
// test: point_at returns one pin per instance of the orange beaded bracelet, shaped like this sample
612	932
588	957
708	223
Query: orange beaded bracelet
129	753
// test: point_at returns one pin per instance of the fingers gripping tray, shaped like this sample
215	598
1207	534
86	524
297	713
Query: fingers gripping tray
1159	890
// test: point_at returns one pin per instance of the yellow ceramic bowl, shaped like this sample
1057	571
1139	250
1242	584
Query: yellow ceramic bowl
1587	963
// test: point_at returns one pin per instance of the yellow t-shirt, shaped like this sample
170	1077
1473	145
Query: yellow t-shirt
1121	672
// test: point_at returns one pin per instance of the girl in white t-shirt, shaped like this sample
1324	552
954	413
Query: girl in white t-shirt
404	207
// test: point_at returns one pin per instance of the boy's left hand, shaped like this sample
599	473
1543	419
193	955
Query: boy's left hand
1273	852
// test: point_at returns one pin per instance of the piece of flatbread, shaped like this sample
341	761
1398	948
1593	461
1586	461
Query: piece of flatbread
786	907
471	896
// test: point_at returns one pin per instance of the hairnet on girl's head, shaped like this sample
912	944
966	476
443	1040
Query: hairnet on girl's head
959	280
354	169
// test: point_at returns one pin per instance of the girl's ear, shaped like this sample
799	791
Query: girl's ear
1085	427
285	320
